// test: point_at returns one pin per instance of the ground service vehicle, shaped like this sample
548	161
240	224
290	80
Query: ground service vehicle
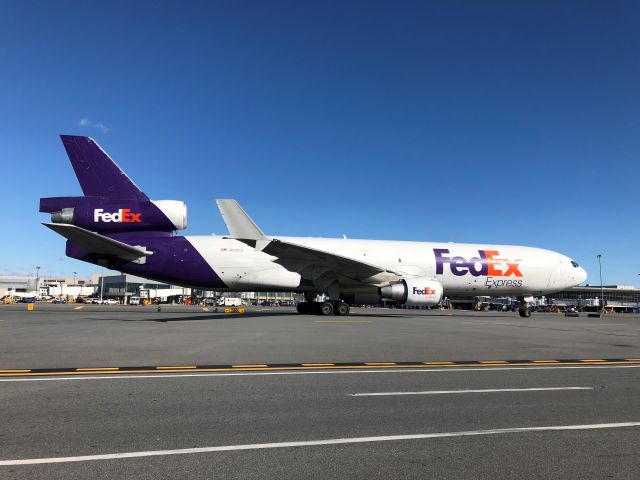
230	302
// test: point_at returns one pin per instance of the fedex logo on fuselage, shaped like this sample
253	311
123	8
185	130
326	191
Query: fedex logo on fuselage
124	215
487	263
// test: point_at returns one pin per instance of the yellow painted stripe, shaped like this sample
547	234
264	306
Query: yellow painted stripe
317	364
96	369
438	363
78	308
205	309
335	367
544	361
633	359
14	371
494	361
176	366
593	360
380	363
250	366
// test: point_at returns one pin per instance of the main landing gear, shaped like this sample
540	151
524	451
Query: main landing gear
324	308
523	309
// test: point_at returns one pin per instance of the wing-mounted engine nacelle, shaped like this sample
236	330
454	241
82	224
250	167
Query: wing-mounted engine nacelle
112	215
418	291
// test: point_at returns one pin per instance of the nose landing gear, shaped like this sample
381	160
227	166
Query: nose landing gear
523	308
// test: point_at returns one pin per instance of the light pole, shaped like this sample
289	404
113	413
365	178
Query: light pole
37	281
101	284
601	287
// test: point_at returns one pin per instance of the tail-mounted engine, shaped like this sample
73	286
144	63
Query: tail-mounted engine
418	291
111	215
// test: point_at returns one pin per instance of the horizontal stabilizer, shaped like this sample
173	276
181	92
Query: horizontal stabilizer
240	225
98	244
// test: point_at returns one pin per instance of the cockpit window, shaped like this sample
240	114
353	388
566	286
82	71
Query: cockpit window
575	265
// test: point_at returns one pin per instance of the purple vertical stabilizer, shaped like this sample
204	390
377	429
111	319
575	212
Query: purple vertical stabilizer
97	173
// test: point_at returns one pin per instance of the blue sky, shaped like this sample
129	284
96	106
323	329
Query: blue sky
496	122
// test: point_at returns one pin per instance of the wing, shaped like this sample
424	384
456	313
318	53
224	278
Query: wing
97	243
310	263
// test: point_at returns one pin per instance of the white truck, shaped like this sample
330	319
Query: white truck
229	302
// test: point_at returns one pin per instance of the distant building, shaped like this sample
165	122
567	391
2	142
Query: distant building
65	287
20	286
122	287
624	298
30	286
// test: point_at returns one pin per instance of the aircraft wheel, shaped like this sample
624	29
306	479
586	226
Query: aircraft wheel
326	308
524	312
302	307
341	308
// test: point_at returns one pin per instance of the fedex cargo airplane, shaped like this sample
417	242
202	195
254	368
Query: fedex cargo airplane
117	226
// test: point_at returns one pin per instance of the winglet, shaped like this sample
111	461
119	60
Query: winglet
240	225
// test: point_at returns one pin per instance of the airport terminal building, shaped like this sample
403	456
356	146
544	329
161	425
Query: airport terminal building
17	285
123	287
621	298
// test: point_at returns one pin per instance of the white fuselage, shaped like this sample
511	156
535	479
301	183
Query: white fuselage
462	269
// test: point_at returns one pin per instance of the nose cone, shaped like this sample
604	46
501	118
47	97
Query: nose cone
577	276
581	276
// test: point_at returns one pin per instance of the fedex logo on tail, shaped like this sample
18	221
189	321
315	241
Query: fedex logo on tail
124	215
487	263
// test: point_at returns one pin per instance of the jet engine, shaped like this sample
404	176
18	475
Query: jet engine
418	291
109	215
174	210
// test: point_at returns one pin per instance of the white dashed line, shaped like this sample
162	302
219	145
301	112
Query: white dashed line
452	392
311	443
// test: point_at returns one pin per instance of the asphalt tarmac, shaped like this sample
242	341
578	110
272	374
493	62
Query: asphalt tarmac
273	394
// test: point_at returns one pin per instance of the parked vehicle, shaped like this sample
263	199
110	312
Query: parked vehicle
110	301
59	300
230	302
134	300
26	300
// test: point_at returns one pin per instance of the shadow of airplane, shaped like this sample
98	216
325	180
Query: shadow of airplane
171	316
